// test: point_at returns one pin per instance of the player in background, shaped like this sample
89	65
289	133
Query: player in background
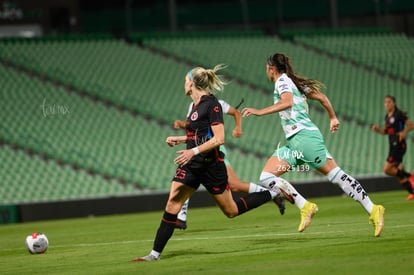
397	126
305	141
236	185
201	162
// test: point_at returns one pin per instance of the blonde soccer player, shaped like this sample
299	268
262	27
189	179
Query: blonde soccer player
202	161
236	185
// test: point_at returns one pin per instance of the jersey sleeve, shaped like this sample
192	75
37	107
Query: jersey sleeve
282	86
215	113
224	106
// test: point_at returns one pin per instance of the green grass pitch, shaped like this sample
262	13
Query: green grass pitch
339	241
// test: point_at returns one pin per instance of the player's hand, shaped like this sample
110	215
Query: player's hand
375	127
401	136
249	111
184	157
237	132
178	124
172	141
334	125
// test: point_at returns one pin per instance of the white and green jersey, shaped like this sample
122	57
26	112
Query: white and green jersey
295	118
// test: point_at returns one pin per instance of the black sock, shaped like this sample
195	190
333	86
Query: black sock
408	187
403	174
165	231
252	200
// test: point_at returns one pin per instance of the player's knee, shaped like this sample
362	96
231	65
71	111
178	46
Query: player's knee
230	213
388	171
235	188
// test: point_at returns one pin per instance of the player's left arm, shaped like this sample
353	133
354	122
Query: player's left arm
408	127
327	105
237	131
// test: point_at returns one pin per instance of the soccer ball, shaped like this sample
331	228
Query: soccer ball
37	243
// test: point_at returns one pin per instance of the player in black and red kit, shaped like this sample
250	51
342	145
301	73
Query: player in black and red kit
202	162
397	125
236	185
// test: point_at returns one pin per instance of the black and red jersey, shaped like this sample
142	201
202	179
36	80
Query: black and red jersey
395	124
206	113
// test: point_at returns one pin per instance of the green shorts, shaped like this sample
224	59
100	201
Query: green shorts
305	147
226	160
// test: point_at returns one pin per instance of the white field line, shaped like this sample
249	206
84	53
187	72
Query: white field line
208	238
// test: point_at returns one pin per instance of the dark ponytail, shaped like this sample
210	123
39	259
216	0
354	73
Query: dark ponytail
283	65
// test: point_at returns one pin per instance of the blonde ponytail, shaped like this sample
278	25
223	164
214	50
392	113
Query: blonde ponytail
208	79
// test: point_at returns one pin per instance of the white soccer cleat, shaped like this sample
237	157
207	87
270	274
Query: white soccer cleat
147	258
284	189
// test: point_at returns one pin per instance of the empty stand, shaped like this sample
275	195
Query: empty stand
103	108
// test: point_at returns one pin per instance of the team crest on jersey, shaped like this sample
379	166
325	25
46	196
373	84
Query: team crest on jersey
194	116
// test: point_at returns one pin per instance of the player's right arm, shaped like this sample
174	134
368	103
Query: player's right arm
286	101
376	128
179	124
175	140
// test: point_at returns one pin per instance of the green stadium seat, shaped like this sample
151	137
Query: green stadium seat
109	142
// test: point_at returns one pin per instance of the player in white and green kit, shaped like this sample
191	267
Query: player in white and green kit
294	120
305	144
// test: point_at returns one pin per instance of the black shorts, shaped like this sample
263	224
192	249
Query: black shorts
212	176
396	153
